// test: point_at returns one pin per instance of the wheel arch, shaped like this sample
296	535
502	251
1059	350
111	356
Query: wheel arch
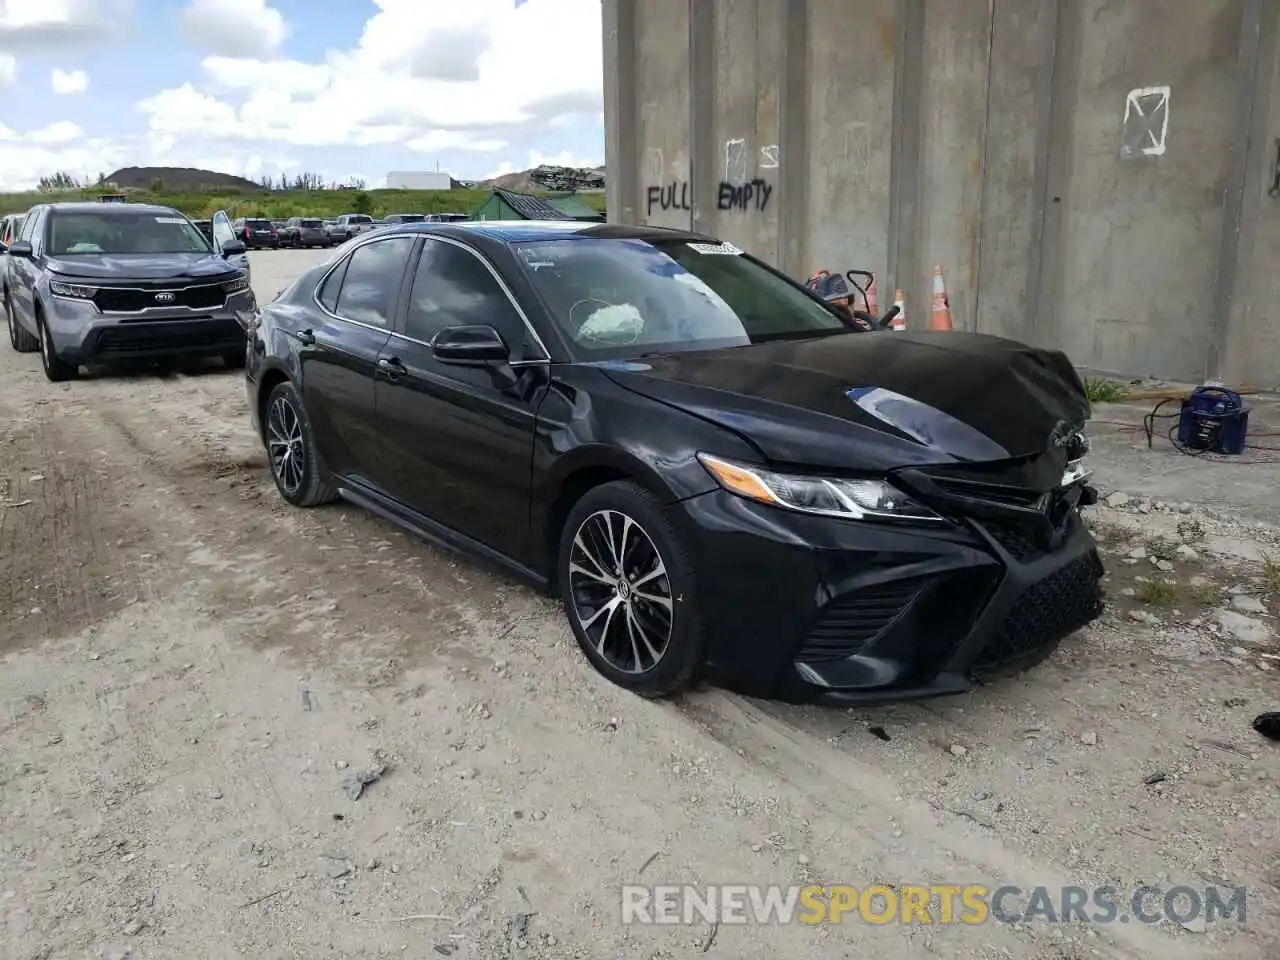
592	467
268	380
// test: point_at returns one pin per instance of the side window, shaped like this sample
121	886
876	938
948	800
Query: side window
453	287
372	281
328	294
29	226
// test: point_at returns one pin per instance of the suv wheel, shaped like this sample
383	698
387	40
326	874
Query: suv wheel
19	338
628	589
55	368
300	474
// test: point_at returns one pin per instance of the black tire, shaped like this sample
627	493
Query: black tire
55	368
681	658
313	485
21	340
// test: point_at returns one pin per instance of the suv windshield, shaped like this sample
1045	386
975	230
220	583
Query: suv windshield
616	298
119	231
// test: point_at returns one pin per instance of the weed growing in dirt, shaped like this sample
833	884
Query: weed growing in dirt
1191	530
1161	548
1271	574
1158	593
1100	390
1205	594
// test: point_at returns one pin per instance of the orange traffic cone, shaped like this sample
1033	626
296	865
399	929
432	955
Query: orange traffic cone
941	319
899	322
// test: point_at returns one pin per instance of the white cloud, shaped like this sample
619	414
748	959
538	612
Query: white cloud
69	81
62	131
422	72
234	28
30	25
8	69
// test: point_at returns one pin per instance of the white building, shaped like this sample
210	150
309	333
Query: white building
418	180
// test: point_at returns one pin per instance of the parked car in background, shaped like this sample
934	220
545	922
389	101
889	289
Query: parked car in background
305	232
353	224
337	232
256	234
10	227
96	283
395	218
446	217
710	466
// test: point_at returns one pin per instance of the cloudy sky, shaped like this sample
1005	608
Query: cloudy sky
345	88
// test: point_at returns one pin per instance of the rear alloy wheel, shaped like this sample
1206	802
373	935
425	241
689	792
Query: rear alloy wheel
19	339
300	476
628	590
55	368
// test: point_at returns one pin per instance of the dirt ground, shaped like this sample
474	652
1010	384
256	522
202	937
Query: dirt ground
193	673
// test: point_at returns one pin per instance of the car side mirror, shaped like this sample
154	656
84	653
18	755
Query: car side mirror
233	248
21	249
471	346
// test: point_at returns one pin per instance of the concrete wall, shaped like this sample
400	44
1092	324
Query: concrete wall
989	136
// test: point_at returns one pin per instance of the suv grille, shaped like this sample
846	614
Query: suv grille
120	300
1058	605
848	624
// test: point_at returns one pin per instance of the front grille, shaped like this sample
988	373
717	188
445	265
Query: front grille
156	338
990	492
848	624
119	300
1047	611
1019	539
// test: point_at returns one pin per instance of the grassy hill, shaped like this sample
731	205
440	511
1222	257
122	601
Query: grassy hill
280	203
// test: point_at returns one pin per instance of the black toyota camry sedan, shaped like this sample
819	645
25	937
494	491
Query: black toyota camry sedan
714	470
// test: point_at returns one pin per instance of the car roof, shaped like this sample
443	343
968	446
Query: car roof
521	231
71	206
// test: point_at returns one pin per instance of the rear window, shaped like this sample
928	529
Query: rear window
312	223
259	224
361	218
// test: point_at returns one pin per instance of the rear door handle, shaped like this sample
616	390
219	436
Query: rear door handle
392	367
306	338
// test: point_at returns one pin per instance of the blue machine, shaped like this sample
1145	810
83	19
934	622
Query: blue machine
1213	419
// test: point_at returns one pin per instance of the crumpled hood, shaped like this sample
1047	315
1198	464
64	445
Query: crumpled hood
876	401
143	266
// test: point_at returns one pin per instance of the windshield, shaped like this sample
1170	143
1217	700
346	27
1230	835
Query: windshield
311	223
120	232
616	298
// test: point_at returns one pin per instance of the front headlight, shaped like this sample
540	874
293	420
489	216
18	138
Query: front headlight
826	496
239	285
75	290
1077	449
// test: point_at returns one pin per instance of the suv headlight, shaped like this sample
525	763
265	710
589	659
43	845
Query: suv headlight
77	291
826	496
239	285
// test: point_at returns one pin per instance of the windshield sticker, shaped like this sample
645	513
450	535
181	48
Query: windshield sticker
170	220
716	249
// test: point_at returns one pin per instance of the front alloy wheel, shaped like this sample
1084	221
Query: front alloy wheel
300	475
55	368
629	590
286	447
620	591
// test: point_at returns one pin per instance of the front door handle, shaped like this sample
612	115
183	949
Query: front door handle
306	337
392	367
